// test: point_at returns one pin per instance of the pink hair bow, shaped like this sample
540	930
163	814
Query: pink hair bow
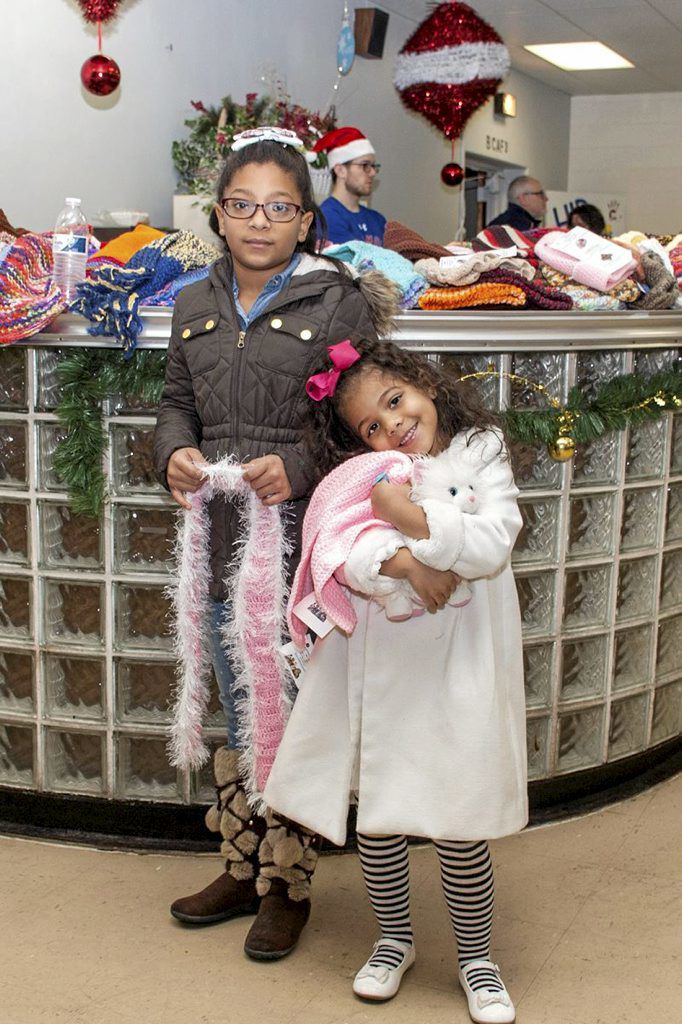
323	385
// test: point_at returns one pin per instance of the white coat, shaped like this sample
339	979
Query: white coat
423	719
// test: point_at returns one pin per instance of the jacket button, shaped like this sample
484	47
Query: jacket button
276	323
210	324
306	335
186	333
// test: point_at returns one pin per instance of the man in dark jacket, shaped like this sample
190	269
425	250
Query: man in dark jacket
527	205
237	388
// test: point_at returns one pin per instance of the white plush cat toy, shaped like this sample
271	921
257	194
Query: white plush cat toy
443	486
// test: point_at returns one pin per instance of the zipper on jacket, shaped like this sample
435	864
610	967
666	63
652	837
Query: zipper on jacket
236	385
238	371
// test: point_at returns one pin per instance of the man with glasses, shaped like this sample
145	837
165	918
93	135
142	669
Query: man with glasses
354	169
527	205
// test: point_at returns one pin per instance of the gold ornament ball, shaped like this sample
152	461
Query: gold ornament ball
562	449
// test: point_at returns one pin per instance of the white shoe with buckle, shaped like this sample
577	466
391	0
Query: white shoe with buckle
487	1006
380	982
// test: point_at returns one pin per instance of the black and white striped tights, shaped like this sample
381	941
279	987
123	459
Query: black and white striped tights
467	877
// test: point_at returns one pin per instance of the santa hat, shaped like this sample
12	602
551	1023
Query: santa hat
342	145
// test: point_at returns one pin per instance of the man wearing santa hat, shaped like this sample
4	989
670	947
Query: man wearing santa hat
354	169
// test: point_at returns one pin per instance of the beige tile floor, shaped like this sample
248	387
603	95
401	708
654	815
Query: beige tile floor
588	930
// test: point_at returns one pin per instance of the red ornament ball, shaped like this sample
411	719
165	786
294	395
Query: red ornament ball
100	75
452	175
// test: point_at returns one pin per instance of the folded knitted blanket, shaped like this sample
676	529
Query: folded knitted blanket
29	298
410	244
467	269
396	268
586	257
124	246
112	297
624	291
339	511
483	295
169	293
589	300
502	237
538	294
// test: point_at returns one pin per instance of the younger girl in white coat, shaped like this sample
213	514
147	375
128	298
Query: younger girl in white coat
424	720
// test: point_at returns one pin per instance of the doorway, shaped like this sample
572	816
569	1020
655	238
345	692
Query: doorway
485	190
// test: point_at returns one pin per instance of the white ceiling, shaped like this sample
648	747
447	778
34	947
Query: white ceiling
647	32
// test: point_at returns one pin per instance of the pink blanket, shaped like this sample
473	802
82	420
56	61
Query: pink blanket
339	511
587	258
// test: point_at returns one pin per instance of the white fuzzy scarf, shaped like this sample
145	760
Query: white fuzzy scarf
256	584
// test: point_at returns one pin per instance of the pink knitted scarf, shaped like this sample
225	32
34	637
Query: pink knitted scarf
257	594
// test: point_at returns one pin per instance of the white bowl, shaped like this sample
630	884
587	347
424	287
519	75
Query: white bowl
120	218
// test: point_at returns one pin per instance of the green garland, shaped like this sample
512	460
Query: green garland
90	376
619	403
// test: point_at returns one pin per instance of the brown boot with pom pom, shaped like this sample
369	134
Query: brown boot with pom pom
287	855
233	893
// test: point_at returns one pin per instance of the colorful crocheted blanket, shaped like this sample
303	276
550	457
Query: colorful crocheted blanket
112	297
29	298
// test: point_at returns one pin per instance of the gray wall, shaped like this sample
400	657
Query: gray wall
632	145
115	152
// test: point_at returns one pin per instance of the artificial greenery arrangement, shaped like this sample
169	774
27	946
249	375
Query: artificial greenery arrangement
199	158
89	377
622	402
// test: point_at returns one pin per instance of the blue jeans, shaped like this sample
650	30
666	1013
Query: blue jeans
229	693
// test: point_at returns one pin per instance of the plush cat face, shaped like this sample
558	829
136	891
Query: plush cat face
444	479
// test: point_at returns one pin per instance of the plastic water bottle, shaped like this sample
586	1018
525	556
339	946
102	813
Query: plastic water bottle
70	248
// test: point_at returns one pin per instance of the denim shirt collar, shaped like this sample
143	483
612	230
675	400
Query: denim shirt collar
271	289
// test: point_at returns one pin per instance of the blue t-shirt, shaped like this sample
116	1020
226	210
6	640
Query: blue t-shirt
343	225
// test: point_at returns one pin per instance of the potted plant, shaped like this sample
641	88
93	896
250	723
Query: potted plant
199	158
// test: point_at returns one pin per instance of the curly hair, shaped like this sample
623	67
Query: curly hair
331	440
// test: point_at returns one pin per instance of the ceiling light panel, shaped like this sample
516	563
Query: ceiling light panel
592	56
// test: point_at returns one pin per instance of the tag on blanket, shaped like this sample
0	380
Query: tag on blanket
309	611
584	245
295	659
451	262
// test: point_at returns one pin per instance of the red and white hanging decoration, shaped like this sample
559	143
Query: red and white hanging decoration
448	68
100	74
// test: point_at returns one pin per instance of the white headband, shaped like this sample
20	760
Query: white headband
267	134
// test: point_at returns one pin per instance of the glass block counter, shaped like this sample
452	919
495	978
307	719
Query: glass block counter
86	665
